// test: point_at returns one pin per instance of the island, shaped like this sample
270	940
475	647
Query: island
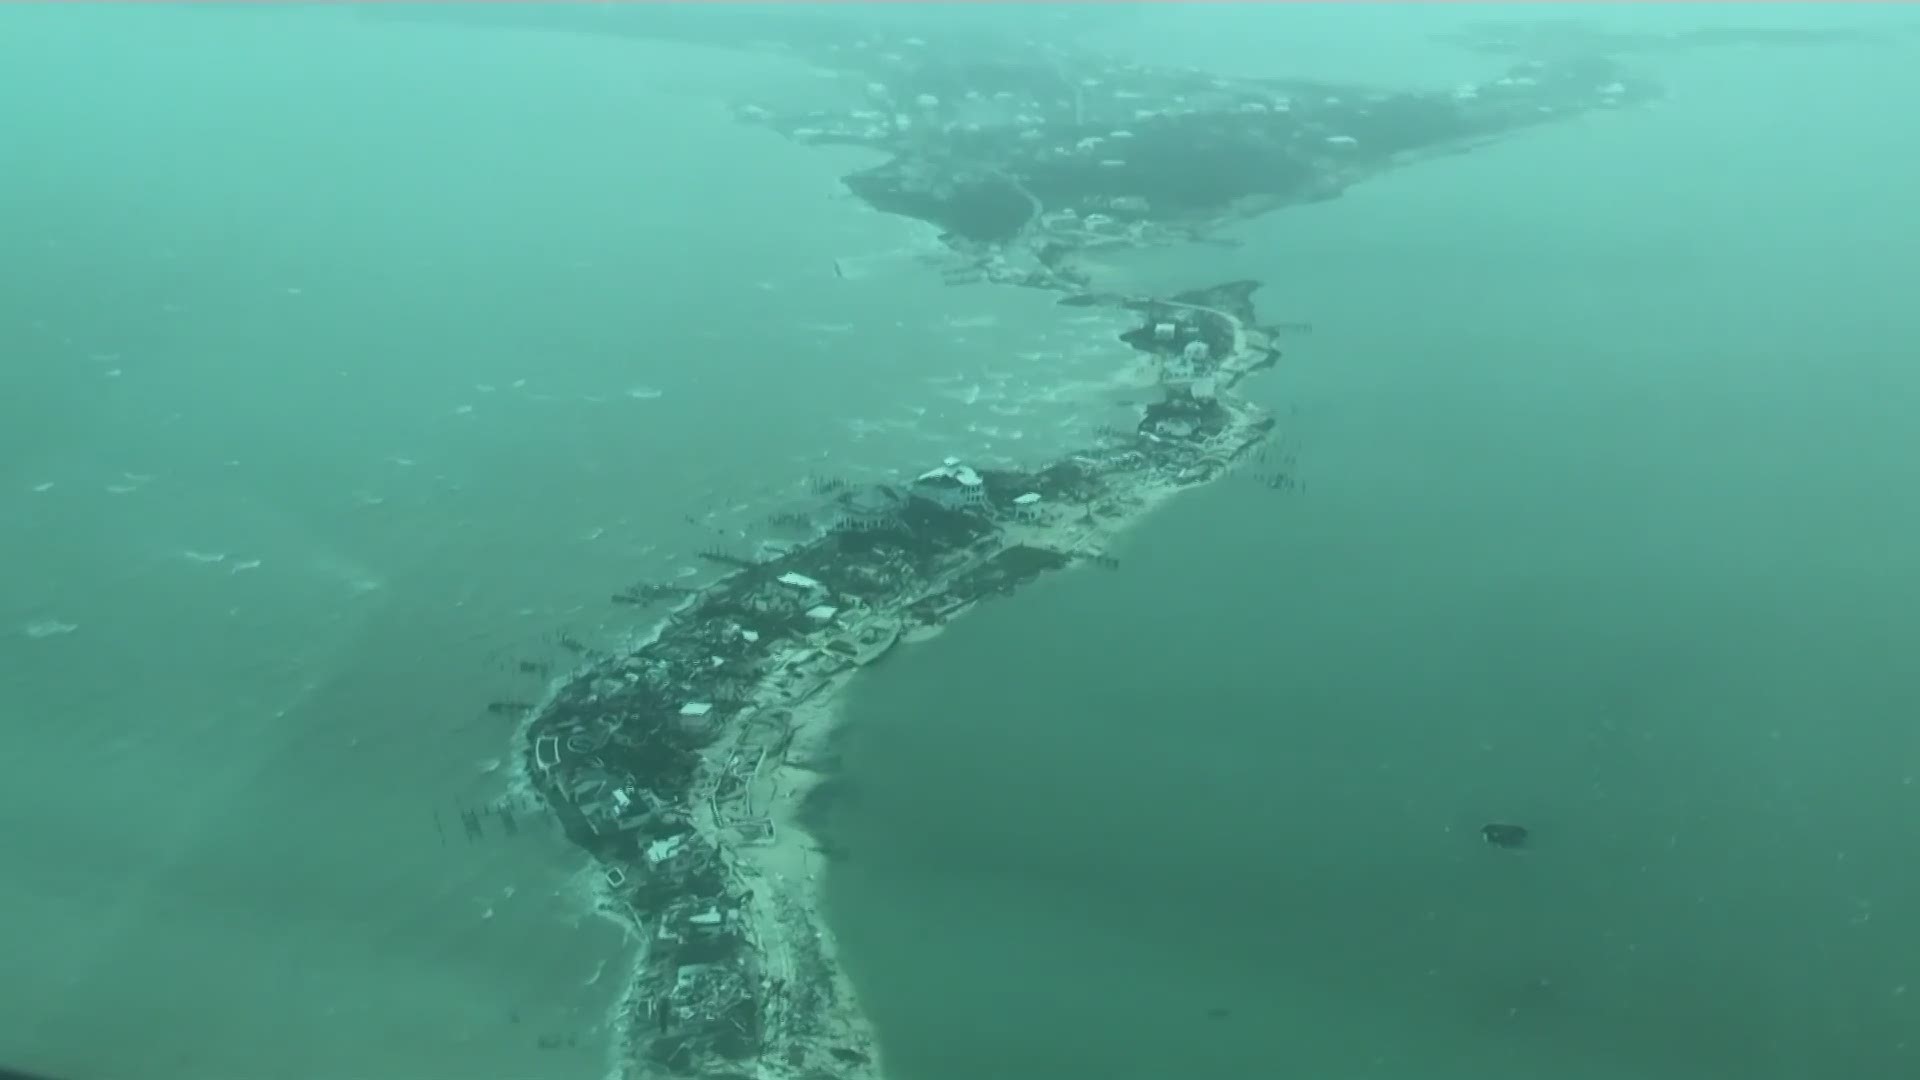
680	764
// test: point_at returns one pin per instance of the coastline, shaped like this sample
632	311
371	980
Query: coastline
446	555
681	765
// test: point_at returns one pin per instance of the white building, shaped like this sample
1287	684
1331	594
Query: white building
796	592
953	486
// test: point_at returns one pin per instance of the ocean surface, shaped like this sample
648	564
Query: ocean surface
348	364
1608	529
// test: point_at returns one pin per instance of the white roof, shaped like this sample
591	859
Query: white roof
961	474
696	708
823	612
1028	499
798	581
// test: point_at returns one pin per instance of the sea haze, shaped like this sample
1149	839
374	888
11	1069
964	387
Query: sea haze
350	363
1606	529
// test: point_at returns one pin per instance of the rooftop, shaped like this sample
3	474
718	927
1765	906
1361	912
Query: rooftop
950	473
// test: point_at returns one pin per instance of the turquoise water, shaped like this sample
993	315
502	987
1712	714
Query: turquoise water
1608	530
349	362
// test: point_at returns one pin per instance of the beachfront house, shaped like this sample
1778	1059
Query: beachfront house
952	486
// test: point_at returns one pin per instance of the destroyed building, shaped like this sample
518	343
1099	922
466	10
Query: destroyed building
870	508
1185	418
1171	331
952	486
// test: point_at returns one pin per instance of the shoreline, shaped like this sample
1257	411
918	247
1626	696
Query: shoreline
682	764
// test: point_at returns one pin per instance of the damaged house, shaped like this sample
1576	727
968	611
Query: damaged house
870	509
1194	362
952	486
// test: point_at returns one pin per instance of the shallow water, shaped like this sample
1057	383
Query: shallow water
1607	530
349	363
